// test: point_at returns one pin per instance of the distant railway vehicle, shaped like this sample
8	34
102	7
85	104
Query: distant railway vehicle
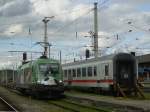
144	74
7	76
144	68
116	73
41	78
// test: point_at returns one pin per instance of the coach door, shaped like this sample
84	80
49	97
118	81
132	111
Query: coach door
125	72
105	71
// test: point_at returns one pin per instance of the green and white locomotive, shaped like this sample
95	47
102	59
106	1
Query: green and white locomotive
40	78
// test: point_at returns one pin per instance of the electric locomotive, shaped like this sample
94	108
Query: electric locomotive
40	78
116	72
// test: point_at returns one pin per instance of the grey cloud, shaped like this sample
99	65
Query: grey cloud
16	8
3	2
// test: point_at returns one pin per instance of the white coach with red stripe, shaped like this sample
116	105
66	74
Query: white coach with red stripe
103	72
96	72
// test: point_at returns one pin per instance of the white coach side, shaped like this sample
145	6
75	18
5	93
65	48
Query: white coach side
96	72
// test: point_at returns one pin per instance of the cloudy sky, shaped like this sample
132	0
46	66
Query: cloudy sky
124	26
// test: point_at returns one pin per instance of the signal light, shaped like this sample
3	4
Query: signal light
87	53
24	56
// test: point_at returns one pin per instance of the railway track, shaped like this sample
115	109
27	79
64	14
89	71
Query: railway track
76	107
111	104
6	107
146	87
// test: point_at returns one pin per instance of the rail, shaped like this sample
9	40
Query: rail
12	109
76	107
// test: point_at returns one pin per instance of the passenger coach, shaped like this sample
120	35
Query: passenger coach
102	73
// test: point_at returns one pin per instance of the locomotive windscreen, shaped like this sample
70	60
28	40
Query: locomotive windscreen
47	69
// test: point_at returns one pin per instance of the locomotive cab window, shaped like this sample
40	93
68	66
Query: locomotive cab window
89	71
106	70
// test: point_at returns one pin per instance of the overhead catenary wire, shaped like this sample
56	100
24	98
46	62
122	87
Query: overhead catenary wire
139	28
103	2
70	23
76	20
39	21
60	14
29	30
67	24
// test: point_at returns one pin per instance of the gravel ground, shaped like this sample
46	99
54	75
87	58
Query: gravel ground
124	102
27	104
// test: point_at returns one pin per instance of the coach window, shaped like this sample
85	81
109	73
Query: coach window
74	72
106	70
69	72
95	71
84	72
89	71
78	72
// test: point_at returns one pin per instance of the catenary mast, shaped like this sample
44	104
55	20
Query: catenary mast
46	43
95	31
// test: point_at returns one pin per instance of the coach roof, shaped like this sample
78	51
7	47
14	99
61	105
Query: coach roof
90	60
103	58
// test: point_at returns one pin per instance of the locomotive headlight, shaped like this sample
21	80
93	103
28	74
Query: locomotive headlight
60	81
